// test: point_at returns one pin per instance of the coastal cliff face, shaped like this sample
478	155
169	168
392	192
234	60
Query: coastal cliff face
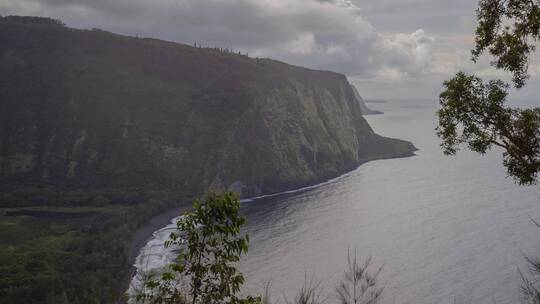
94	110
363	107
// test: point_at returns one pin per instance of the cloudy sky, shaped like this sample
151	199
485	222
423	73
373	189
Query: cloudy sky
388	48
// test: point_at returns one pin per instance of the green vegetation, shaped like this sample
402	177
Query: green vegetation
70	254
100	132
474	112
210	244
89	109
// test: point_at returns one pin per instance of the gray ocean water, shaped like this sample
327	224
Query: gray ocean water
446	228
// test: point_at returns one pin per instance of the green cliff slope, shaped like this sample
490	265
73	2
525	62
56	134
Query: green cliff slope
101	132
94	110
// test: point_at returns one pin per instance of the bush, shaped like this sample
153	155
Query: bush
210	245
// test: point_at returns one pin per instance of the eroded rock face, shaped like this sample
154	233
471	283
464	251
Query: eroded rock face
94	109
363	107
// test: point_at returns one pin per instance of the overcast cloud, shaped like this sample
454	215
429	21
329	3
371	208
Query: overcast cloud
389	48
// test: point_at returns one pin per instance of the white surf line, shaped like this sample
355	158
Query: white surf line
330	181
153	257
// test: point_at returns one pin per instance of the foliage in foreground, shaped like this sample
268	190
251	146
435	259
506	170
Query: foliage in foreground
530	287
210	245
360	285
473	112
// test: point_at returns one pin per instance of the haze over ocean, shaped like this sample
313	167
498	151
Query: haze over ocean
445	228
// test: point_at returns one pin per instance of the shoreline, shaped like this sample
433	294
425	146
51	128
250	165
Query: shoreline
142	235
328	181
145	233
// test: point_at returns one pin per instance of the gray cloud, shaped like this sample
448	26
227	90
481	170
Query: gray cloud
391	42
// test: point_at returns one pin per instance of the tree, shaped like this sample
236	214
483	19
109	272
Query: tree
474	113
210	245
360	285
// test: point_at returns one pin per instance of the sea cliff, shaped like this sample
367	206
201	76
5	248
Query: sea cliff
91	109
